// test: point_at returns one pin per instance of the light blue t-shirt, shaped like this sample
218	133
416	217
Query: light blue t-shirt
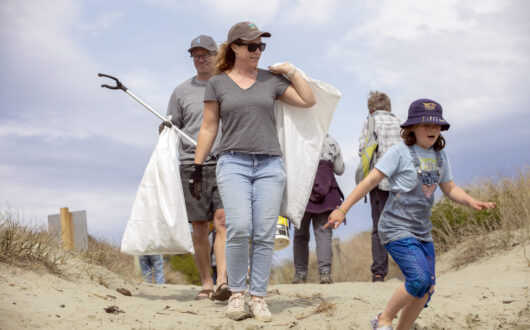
397	165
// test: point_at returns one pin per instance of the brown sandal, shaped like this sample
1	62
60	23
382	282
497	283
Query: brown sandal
222	293
207	292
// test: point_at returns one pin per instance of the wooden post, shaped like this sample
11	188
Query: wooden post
67	229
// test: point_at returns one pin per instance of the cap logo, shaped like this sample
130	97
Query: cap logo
252	26
429	106
198	40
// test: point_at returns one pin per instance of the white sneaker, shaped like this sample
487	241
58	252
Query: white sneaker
236	307
259	310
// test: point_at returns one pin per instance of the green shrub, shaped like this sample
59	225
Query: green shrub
185	264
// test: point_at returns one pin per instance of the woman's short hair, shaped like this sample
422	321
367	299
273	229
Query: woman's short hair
225	59
378	101
409	138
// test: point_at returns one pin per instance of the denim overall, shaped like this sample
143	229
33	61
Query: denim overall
405	229
407	214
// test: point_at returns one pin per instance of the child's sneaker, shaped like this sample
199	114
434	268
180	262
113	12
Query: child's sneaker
236	307
375	324
259	310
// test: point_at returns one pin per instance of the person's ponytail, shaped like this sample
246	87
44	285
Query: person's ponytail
225	59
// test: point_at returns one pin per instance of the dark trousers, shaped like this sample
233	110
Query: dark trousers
322	239
378	199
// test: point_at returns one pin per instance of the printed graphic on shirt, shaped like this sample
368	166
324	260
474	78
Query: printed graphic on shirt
428	164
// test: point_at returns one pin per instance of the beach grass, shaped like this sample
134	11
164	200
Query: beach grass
470	234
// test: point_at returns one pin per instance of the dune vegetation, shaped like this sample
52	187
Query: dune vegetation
476	234
470	234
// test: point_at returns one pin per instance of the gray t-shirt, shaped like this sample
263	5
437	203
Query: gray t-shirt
249	122
186	106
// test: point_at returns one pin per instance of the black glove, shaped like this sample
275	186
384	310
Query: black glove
195	182
164	123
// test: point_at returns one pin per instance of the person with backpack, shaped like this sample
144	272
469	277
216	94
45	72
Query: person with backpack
325	197
380	132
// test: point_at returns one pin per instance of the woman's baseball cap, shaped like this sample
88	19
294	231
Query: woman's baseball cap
245	31
425	111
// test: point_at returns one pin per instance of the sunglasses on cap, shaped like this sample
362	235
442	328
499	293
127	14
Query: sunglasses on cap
253	46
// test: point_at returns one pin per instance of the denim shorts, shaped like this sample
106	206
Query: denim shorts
416	260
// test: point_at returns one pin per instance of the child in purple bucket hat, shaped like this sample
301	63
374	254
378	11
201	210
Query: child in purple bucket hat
414	167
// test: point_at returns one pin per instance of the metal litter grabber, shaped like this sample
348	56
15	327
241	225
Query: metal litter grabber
119	85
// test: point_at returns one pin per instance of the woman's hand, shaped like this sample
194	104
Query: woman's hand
282	68
335	219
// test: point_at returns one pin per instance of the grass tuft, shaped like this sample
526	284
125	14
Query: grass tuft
470	234
29	247
102	253
457	225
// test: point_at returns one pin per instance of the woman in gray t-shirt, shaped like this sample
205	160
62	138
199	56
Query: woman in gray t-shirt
250	170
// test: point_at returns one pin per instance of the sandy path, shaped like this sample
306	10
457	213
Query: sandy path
488	294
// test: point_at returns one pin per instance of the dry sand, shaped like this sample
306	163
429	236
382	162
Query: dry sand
488	294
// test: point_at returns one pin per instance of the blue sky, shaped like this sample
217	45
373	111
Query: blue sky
64	141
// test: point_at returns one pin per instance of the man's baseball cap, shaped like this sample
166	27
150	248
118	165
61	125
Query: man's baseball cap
205	42
245	31
425	111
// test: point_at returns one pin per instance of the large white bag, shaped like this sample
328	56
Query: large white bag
158	223
301	133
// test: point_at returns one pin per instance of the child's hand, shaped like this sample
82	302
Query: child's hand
478	205
335	219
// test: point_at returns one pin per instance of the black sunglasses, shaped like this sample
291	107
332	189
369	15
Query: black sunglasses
253	46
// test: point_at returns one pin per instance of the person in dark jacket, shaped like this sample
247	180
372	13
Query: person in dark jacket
325	197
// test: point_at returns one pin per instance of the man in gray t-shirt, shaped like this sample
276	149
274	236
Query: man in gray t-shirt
186	109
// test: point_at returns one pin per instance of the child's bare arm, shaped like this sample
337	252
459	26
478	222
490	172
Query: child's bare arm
458	195
364	187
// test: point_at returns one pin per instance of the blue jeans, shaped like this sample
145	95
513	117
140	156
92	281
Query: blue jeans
152	267
251	188
416	260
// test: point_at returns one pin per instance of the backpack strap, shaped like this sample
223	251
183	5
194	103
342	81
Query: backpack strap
371	129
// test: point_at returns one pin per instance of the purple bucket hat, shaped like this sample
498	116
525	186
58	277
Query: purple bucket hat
425	111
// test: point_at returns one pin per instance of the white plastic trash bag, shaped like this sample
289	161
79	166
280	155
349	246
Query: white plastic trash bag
158	223
301	133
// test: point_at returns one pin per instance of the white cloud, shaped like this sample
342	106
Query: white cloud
264	13
103	22
226	12
51	70
464	55
308	12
